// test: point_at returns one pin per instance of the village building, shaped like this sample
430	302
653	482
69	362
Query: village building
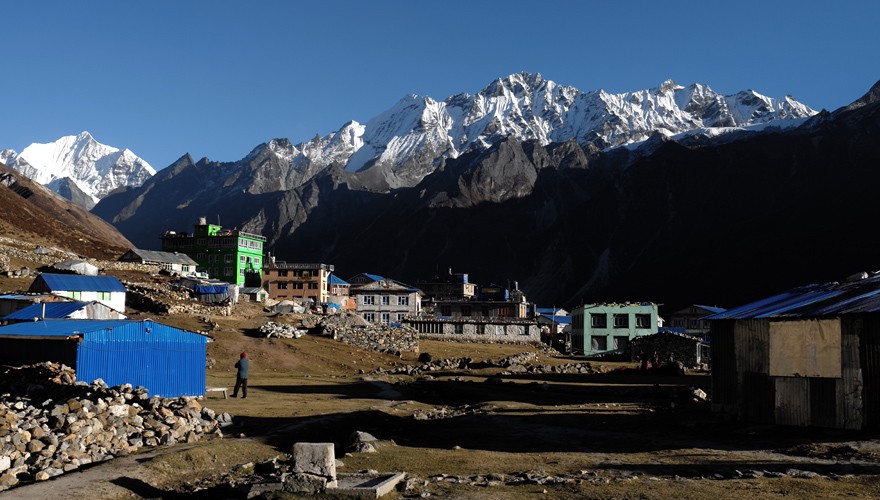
167	361
670	346
104	289
11	302
477	329
383	300
340	294
303	281
225	254
692	320
606	328
809	357
452	286
174	262
63	310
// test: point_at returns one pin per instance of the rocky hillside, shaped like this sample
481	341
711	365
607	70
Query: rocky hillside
31	213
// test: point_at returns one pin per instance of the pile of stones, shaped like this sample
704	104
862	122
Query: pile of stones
353	330
515	362
281	330
568	368
162	298
50	424
445	412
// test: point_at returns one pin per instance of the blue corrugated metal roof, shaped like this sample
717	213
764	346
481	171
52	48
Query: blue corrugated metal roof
60	327
562	320
53	310
374	277
824	299
714	310
335	280
77	283
15	296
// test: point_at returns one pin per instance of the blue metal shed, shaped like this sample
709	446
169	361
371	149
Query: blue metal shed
168	361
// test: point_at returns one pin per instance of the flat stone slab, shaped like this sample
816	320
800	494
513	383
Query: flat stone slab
366	485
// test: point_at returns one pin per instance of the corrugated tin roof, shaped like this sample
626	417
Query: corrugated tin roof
824	299
52	310
67	327
336	280
157	256
59	327
76	283
562	320
714	310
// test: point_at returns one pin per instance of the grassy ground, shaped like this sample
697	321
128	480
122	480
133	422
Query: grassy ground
619	434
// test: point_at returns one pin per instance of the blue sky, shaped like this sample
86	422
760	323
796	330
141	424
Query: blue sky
216	78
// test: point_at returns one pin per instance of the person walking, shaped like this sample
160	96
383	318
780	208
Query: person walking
241	378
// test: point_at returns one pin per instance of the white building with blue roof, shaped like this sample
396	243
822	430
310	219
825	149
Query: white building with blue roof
104	289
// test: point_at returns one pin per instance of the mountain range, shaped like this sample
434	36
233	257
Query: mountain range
79	168
672	194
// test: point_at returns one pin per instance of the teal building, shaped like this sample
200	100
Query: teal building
225	254
603	328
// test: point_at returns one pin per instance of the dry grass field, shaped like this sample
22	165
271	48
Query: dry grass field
615	434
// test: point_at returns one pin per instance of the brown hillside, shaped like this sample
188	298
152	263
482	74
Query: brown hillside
31	213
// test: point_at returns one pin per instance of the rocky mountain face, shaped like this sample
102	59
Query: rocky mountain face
79	167
676	219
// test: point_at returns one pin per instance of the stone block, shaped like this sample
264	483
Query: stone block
300	482
315	458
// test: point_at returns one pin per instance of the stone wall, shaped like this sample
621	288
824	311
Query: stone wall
516	333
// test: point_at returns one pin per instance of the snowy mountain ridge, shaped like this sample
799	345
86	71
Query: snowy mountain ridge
407	141
95	168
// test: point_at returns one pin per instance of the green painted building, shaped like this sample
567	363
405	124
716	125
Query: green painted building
225	254
602	328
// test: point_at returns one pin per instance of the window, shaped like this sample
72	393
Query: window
371	317
386	318
465	310
621	321
282	273
643	321
458	328
485	310
103	295
313	286
598	342
445	310
227	271
241	259
227	258
76	295
403	301
599	320
621	342
400	317
282	285
386	300
368	299
297	286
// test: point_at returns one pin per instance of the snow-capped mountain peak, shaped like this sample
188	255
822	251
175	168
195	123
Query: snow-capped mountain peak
97	169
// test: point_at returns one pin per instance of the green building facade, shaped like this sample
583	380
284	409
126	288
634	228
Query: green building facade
603	328
225	254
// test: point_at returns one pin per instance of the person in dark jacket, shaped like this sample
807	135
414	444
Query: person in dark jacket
241	378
